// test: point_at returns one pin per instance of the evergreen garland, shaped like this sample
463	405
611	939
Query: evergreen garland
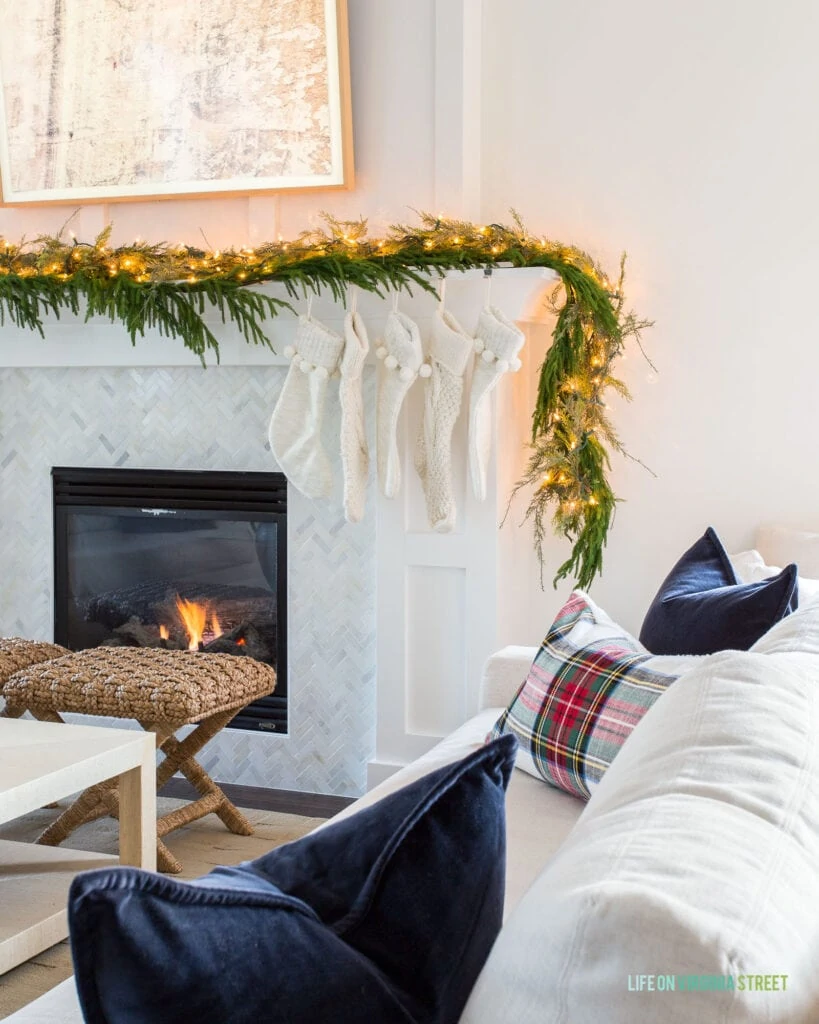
170	287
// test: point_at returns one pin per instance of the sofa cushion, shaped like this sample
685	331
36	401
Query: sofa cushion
387	916
57	1006
696	858
797	634
590	684
751	567
702	607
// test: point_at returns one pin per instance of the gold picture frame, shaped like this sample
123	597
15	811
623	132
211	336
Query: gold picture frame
107	101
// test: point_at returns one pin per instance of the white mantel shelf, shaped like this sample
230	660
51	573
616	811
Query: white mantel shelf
71	342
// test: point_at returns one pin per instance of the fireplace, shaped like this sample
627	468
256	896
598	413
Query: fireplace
175	559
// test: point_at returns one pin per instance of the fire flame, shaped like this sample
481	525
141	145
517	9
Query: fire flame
194	616
195	620
163	632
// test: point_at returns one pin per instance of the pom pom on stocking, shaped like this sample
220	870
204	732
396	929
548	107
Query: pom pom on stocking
295	427
497	343
450	349
355	455
402	356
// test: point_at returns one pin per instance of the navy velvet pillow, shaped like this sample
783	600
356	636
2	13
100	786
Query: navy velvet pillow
386	916
702	607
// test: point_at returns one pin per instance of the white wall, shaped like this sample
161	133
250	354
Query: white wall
686	134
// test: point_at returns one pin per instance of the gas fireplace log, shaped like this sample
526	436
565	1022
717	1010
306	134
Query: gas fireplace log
135	633
245	641
145	600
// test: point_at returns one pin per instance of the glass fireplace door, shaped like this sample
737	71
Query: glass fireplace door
145	567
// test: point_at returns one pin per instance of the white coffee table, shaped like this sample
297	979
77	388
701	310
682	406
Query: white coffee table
41	762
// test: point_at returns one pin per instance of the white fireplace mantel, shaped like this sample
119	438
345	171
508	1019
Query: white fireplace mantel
71	341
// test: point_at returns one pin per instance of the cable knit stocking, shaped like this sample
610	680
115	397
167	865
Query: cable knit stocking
450	348
497	344
403	355
355	455
295	427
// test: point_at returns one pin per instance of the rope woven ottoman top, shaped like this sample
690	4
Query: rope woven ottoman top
17	653
144	683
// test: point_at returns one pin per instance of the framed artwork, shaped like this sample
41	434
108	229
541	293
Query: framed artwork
112	100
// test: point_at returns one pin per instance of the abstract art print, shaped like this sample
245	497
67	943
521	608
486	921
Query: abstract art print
108	100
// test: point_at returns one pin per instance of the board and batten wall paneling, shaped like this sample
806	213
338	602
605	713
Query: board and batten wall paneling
435	653
447	601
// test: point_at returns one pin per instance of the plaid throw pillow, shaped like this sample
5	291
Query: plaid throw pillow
589	685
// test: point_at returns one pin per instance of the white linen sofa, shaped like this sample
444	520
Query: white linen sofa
538	817
695	863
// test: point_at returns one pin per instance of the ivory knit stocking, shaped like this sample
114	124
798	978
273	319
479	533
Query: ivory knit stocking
402	357
295	427
497	344
450	348
355	455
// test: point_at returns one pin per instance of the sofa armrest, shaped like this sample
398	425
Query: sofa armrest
503	674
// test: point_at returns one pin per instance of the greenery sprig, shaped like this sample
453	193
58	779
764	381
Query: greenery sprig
170	288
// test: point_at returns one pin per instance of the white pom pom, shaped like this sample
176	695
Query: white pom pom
405	373
380	352
322	372
503	365
391	362
515	365
306	365
289	351
487	356
426	370
479	346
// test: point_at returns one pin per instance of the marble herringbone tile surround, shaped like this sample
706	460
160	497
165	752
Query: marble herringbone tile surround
192	418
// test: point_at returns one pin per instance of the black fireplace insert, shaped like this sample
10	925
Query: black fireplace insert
176	559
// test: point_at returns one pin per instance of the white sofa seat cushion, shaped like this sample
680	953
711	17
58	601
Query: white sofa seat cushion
58	1006
698	854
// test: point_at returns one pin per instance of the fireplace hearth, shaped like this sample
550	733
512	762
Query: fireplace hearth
175	559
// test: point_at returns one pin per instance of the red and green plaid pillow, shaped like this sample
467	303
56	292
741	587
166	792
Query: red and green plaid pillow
589	685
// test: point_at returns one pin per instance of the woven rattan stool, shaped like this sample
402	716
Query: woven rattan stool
16	653
163	690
